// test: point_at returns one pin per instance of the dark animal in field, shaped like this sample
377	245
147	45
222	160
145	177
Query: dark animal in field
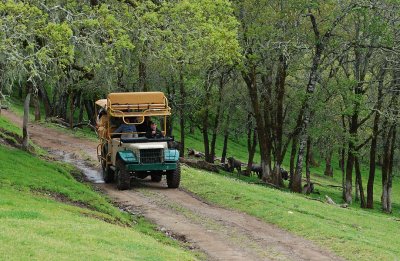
234	164
257	169
284	174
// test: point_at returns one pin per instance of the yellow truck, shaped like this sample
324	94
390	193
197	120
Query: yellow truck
129	143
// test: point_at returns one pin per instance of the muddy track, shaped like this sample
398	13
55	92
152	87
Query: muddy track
220	233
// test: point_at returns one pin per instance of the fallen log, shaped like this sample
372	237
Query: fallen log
63	123
4	107
197	154
200	164
58	121
316	199
331	202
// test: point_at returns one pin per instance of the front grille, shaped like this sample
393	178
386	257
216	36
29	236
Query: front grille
151	156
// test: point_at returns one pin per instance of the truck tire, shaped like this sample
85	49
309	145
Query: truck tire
108	173
123	177
156	177
174	178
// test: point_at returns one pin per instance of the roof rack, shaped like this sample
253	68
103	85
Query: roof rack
137	104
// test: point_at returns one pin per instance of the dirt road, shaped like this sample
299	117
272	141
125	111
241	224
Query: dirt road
220	233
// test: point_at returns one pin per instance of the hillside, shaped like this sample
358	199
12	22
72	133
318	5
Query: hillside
352	233
324	185
47	215
218	232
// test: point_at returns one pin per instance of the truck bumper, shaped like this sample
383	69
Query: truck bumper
151	166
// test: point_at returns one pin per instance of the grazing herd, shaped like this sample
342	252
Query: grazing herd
255	168
233	164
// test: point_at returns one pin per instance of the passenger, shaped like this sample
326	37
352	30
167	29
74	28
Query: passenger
144	127
127	130
153	132
101	122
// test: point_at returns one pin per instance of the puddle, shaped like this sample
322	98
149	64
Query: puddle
91	174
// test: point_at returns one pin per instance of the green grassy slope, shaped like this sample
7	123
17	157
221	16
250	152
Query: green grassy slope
45	214
352	233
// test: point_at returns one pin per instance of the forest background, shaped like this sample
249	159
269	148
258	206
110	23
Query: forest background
296	78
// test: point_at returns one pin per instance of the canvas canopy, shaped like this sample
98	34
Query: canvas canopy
101	103
137	104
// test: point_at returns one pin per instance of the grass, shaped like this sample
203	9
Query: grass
354	233
351	233
45	214
13	134
17	107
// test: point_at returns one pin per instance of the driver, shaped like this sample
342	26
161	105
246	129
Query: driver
153	132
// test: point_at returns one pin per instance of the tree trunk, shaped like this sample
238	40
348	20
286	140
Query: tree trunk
349	174
171	97
359	183
48	110
206	103
206	144
217	116
266	95
71	110
390	176
387	169
81	108
320	42
328	164
251	83
372	167
385	174
280	94
226	136
25	134
61	105
90	111
308	162
251	147
312	82
292	158
357	188
374	140
182	108
36	106
342	159
294	136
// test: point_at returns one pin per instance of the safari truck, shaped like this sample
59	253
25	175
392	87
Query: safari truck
133	154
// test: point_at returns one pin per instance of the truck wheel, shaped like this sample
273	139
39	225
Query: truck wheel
174	178
108	175
123	177
156	177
